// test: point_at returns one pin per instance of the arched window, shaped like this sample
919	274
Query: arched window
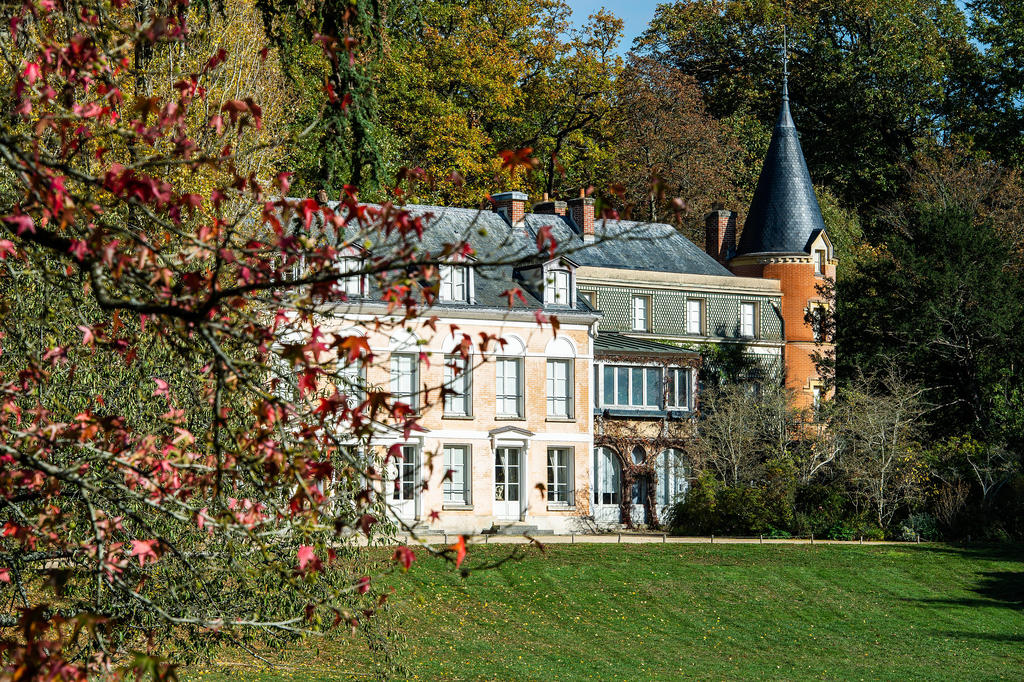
509	384
640	484
673	476
405	368
607	476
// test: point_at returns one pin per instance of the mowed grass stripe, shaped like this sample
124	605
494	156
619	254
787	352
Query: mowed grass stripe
633	612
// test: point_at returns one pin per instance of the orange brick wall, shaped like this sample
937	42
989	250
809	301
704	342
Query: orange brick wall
799	288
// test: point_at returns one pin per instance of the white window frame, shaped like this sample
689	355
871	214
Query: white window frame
353	285
407	475
455	284
353	382
408	394
644	324
674	378
645	392
607	476
501	384
461	403
694	318
558	288
673	476
457	488
748	331
820	261
560	476
560	389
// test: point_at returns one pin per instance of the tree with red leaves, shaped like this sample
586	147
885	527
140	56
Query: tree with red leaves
173	472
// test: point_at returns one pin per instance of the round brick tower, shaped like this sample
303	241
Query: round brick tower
784	238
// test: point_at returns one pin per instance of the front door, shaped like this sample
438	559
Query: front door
507	462
406	484
639	509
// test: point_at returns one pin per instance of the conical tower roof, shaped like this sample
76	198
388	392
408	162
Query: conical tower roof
784	214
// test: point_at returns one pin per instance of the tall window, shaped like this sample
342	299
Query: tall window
405	484
457	474
353	382
638	387
454	283
352	285
673	476
560	388
607	477
817	318
405	378
819	262
641	307
458	376
677	388
694	317
748	327
509	387
560	476
557	291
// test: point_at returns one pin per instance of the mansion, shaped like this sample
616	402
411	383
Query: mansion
586	426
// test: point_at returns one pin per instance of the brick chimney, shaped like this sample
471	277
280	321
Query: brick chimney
581	210
511	205
720	233
548	207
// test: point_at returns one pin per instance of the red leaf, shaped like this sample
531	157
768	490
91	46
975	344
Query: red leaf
308	558
5	575
87	336
21	222
363	584
460	550
162	388
404	556
31	73
146	549
366	522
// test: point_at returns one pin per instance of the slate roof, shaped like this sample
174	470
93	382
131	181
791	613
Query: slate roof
784	212
619	244
610	342
631	245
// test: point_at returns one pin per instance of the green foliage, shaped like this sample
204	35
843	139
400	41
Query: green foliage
711	507
945	298
868	79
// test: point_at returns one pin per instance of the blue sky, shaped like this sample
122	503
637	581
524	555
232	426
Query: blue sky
635	14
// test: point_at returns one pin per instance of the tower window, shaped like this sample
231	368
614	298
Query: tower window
819	262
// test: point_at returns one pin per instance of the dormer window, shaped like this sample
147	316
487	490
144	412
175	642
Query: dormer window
559	288
455	284
819	262
352	285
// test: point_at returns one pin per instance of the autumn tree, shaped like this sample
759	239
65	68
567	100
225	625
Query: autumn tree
468	80
670	149
184	453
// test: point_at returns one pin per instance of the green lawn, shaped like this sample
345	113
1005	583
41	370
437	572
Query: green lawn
631	612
